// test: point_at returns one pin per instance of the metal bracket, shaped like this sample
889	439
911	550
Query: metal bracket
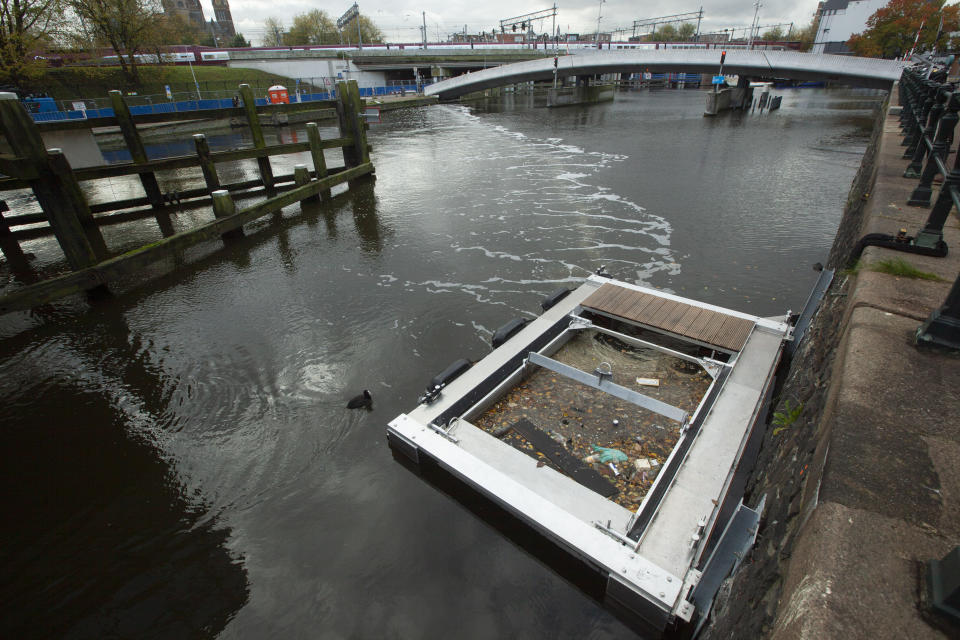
604	384
443	432
711	366
616	535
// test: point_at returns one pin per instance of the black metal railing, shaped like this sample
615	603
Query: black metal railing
929	116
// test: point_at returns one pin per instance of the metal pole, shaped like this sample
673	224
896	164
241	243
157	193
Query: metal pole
599	13
756	13
359	37
553	30
424	29
696	37
197	84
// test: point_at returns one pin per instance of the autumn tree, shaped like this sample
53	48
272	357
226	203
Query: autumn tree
773	35
128	27
24	28
803	35
892	29
312	27
272	32
239	41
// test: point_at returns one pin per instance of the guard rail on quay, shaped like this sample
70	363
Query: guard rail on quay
929	120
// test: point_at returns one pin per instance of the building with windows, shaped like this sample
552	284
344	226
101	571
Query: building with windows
189	10
220	27
223	21
840	19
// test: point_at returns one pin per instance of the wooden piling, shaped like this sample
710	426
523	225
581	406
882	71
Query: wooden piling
301	176
349	107
15	256
60	167
250	106
207	165
359	131
138	152
224	207
316	151
24	139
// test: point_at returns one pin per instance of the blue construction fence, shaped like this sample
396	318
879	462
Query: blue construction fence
45	109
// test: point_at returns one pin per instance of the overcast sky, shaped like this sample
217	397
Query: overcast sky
400	20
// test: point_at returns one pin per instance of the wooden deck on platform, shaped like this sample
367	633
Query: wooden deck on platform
703	325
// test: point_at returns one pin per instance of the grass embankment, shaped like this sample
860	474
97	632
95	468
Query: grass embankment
74	83
895	267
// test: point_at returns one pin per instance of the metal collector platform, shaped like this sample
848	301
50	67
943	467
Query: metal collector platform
652	557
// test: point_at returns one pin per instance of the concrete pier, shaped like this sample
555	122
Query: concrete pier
580	94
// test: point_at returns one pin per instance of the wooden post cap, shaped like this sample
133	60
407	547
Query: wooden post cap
220	193
6	95
199	136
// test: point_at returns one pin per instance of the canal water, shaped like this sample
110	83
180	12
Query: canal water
178	462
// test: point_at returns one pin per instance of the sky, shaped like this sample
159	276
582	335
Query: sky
400	20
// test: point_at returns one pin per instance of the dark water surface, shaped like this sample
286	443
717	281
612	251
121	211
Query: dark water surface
177	461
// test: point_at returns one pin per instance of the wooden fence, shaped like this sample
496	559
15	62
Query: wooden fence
77	229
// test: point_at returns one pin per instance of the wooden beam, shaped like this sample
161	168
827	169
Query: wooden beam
25	141
73	194
317	145
247	187
135	145
256	132
137	259
16	167
182	162
207	165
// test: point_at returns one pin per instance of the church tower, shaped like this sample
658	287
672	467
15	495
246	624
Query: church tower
221	13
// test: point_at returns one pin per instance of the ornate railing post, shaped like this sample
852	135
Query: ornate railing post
928	92
942	328
907	92
936	112
932	233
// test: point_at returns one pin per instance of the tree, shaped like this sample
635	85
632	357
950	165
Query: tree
272	32
773	35
239	41
803	35
686	32
312	27
892	29
127	26
666	33
371	33
24	26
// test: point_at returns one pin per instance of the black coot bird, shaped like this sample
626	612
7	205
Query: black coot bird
362	401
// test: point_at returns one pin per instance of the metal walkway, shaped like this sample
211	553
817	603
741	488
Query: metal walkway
678	318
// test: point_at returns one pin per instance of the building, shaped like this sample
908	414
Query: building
223	20
840	19
220	27
189	10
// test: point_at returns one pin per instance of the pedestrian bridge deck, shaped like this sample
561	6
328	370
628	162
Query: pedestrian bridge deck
867	72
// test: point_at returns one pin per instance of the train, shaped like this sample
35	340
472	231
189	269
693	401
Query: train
187	54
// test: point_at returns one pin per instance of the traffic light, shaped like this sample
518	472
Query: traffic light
723	56
555	59
514	27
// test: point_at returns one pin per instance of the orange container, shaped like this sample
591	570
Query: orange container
278	94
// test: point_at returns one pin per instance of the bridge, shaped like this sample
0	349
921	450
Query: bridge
864	72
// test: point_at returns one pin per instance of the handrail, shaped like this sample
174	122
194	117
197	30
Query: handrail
929	117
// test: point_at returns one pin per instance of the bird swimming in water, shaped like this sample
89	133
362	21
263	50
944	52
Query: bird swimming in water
362	401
